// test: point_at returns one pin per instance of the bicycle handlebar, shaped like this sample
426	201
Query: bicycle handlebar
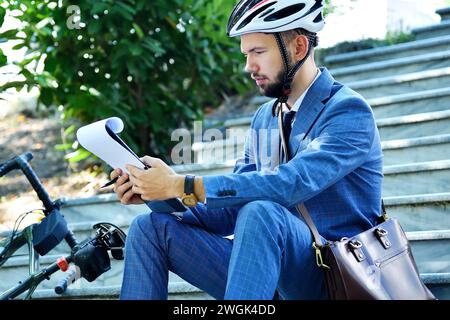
12	164
22	162
67	281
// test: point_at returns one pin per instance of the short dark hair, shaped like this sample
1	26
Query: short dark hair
291	34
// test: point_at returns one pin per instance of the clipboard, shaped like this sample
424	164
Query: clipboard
101	138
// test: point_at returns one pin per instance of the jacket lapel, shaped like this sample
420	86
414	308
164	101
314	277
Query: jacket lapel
310	108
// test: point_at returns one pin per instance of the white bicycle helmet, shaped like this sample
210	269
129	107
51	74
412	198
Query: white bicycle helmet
276	16
270	16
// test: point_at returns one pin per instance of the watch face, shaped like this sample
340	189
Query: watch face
190	202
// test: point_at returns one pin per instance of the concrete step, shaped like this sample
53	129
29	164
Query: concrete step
398	127
413	150
392	67
420	177
398	151
430	249
403	83
16	270
101	207
177	291
417	212
417	178
420	212
428	100
411	103
20	259
415	125
444	13
432	31
439	284
402	50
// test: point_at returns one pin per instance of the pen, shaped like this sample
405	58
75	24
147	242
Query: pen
109	183
115	180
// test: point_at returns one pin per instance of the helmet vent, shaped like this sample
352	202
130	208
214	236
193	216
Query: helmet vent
241	8
285	12
266	13
316	6
318	18
253	15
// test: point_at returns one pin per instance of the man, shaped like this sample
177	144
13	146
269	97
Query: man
335	170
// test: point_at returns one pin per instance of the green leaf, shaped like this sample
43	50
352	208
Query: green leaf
139	31
46	96
19	46
136	50
154	46
94	26
3	59
70	130
77	156
63	147
27	74
124	10
9	34
2	15
99	7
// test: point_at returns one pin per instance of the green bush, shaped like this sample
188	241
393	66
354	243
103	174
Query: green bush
156	64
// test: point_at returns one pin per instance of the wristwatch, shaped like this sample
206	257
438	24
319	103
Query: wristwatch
189	199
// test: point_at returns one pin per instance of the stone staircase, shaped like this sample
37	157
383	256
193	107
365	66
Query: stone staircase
408	86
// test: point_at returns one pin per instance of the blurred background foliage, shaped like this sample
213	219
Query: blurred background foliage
156	64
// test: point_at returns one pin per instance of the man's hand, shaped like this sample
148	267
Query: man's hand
123	188
159	182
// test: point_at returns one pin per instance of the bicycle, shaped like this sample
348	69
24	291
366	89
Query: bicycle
89	256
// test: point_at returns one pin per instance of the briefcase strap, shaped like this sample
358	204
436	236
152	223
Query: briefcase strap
301	208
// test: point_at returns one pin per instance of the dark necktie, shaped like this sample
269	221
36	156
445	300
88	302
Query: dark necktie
287	124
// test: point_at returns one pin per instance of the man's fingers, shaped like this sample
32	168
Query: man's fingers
134	171
152	162
136	189
127	197
115	173
122	179
122	189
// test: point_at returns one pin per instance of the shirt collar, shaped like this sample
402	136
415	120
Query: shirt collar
299	101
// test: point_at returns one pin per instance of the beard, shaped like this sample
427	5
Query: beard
275	88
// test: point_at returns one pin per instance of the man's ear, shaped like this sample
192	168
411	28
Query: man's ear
301	44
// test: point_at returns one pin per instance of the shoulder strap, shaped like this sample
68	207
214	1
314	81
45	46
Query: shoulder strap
301	207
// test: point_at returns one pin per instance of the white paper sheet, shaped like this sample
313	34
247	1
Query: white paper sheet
96	139
110	148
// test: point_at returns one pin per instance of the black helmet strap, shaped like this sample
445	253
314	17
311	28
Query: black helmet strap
289	73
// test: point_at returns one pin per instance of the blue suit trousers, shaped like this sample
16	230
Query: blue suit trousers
271	250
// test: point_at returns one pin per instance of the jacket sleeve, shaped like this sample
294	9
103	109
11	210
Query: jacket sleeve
343	144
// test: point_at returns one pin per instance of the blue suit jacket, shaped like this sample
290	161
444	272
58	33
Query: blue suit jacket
336	170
